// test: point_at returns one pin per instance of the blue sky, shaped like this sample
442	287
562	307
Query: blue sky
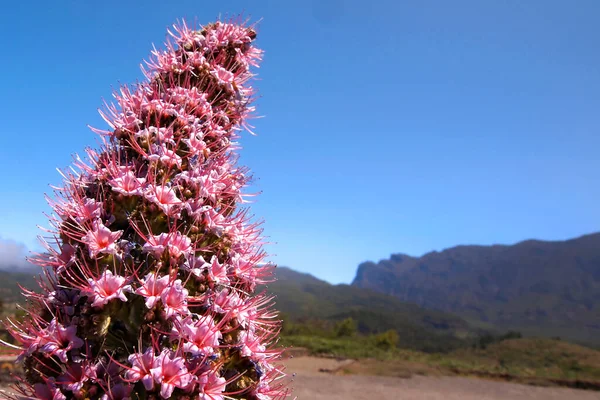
388	126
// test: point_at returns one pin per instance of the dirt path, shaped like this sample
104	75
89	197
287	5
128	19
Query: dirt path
310	384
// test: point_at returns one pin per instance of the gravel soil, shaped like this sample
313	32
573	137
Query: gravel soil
309	383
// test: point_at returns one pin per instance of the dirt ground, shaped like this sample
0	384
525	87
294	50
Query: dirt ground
311	384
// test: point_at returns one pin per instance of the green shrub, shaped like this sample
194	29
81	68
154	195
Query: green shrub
387	340
346	328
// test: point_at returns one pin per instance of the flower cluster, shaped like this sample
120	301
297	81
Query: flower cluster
150	286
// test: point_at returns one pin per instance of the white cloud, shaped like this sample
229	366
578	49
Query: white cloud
12	255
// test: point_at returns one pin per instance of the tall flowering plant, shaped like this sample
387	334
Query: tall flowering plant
150	287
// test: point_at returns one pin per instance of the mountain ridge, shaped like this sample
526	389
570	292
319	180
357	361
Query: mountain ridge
539	287
593	235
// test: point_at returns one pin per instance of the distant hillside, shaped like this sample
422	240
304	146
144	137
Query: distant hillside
304	297
10	291
538	287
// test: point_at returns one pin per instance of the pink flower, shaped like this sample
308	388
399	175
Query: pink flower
66	258
201	336
127	183
215	128
196	146
217	272
214	221
48	391
119	391
194	100
58	340
141	366
263	391
232	305
127	121
249	270
165	198
101	239
268	388
89	209
108	287
161	135
174	299
74	377
152	287
165	156
211	385
224	77
252	345
196	265
196	208
210	186
163	107
241	266
64	298
176	243
170	373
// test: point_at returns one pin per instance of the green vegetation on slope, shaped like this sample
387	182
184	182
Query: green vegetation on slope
315	306
9	289
531	360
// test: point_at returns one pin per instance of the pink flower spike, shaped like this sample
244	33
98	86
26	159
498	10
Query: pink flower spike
153	260
152	287
170	373
211	385
174	299
108	287
101	239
